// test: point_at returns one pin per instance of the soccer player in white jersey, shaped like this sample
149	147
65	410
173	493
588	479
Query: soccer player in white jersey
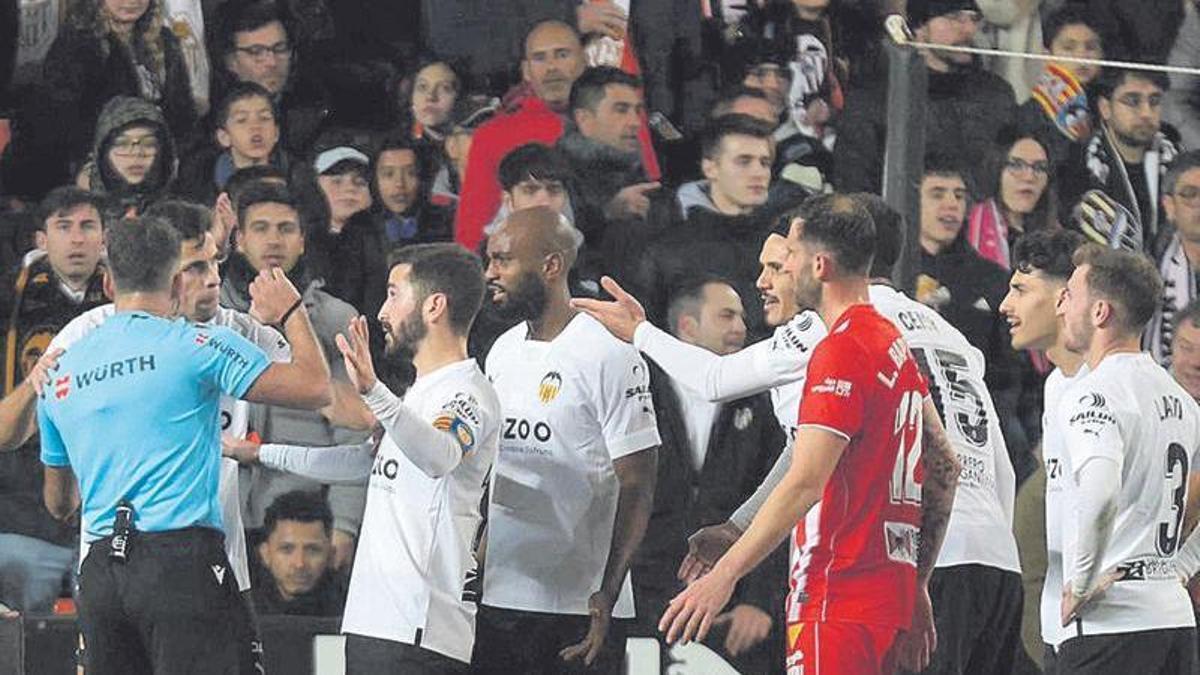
1131	435
411	604
1042	263
196	298
573	484
977	573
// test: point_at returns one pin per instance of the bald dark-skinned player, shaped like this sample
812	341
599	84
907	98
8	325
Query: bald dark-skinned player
573	483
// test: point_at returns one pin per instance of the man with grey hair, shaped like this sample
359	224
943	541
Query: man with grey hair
573	483
1176	251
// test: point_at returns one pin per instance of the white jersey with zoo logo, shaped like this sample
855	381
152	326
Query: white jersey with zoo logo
571	406
414	578
980	528
1131	411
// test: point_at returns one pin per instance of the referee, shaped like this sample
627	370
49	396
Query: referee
132	413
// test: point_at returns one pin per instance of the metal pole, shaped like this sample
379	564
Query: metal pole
904	161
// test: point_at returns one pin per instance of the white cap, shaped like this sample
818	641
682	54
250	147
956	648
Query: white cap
334	155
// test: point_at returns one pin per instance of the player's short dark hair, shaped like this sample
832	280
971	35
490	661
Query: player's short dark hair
1128	280
63	200
268	193
1068	15
1111	78
591	87
730	95
250	175
687	296
1050	252
889	233
192	221
142	254
533	161
240	91
841	225
448	269
301	506
735	124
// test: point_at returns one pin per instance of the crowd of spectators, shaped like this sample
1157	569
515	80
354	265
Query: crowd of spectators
322	135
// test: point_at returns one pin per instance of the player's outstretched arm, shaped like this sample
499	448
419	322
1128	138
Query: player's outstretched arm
336	464
18	410
303	383
716	378
636	474
690	614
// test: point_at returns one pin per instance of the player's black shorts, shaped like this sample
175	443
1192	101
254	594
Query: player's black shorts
510	641
977	612
1166	651
368	656
171	606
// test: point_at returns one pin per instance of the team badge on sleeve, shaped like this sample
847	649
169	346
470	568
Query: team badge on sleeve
457	418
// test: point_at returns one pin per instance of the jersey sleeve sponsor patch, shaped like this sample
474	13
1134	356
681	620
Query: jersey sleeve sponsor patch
833	397
460	417
1092	428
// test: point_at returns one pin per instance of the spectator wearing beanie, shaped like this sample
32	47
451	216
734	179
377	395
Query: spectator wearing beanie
104	50
967	106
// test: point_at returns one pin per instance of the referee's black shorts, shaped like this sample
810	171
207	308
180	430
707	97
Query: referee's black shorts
171	607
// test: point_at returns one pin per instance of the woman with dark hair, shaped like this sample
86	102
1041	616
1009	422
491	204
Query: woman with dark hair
426	95
1021	199
401	178
106	48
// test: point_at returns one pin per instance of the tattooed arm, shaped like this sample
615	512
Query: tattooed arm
937	489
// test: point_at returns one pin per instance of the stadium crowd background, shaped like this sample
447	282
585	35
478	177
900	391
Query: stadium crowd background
672	134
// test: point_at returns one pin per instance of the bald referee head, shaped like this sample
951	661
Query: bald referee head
529	258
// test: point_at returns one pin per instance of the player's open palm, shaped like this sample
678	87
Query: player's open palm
915	646
600	606
621	316
705	548
355	347
691	613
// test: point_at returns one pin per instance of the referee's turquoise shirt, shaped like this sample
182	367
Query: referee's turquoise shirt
133	410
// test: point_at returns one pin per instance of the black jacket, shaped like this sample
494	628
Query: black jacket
745	442
352	262
35	308
705	243
82	72
966	112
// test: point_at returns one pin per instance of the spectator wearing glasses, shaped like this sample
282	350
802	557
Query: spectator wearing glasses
967	106
1177	252
254	44
133	159
1115	182
107	48
1021	199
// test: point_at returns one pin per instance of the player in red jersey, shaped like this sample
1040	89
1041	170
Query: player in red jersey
865	417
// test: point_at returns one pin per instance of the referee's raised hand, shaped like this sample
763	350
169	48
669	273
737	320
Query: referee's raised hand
356	353
272	296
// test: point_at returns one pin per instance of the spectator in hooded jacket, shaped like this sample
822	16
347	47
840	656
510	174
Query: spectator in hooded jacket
967	106
553	60
107	48
133	159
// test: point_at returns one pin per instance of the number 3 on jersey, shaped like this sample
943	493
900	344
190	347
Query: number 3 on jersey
1175	497
905	484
